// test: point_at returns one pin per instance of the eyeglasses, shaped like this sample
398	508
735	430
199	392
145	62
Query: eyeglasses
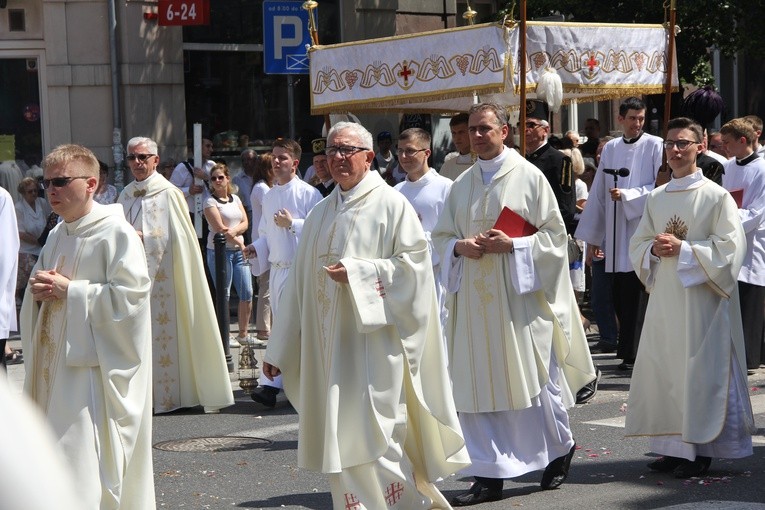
60	182
139	157
410	152
343	150
30	191
217	177
680	144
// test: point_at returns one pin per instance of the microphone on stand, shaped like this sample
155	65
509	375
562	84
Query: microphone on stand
621	172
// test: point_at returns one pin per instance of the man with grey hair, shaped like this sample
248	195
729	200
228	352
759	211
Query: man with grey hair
363	283
189	367
517	350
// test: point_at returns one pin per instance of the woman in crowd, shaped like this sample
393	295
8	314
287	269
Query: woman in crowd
225	214
263	177
32	213
105	193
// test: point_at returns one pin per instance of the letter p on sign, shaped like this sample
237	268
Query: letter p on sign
288	33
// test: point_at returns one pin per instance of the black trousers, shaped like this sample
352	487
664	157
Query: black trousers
630	302
752	299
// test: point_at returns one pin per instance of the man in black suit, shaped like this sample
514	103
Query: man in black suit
553	163
323	180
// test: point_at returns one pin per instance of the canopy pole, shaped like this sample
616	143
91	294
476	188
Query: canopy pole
522	70
670	63
664	174
313	30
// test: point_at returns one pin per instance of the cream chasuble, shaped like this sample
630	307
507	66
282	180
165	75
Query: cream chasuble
89	358
359	358
692	332
501	332
189	363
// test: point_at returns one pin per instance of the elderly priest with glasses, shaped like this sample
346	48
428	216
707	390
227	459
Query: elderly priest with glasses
189	367
363	361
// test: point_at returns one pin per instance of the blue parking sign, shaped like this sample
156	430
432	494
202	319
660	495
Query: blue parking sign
285	37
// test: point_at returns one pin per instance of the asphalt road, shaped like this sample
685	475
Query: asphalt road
246	458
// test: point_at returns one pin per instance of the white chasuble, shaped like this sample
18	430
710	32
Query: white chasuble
509	312
189	363
359	358
89	358
692	335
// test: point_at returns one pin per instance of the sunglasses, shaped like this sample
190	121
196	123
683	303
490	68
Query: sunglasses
139	157
217	177
60	182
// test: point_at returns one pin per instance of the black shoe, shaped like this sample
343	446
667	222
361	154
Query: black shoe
589	390
605	348
666	464
626	366
556	471
689	469
265	395
476	495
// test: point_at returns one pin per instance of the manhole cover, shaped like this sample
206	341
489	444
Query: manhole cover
212	444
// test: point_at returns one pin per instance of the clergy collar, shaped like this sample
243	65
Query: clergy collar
494	164
328	183
142	185
747	160
632	140
691	181
538	152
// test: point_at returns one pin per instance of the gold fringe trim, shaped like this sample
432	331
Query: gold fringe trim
390	103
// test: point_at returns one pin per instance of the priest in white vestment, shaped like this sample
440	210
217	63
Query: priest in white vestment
189	363
87	339
517	350
362	356
689	390
426	190
9	262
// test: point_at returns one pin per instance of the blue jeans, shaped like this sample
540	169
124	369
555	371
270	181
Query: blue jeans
602	302
236	272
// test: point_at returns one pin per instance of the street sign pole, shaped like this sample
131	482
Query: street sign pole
286	39
291	104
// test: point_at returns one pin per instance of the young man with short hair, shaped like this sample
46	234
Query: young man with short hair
613	212
285	208
689	392
745	171
456	164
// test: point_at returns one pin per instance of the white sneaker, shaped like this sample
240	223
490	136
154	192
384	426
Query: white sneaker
233	342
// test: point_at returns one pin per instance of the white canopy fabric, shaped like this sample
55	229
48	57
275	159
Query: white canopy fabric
442	71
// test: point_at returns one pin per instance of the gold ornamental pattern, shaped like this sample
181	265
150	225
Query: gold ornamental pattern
405	73
677	227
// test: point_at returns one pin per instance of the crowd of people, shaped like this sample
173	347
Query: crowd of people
450	299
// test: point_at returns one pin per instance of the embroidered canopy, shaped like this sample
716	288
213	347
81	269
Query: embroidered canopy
440	71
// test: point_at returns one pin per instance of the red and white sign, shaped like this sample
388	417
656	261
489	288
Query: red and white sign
184	12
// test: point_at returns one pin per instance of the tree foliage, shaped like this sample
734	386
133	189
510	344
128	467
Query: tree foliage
730	25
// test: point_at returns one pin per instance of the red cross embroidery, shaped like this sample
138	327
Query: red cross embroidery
592	63
380	288
393	493
351	502
405	72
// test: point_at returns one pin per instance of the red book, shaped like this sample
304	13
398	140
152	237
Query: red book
513	224
738	196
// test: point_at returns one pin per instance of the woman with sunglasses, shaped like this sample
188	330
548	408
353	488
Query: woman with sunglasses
225	214
32	213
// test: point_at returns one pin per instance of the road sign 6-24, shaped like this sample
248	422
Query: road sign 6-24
184	12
